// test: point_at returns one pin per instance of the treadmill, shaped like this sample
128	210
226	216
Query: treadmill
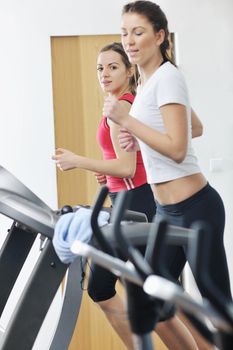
32	218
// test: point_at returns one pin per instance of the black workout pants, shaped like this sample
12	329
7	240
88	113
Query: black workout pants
205	205
101	284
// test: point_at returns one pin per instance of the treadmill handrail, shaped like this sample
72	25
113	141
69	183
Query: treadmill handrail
8	182
20	204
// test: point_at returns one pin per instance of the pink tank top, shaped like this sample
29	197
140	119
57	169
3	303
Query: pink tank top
116	184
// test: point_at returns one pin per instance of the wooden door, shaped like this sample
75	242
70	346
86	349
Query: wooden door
77	112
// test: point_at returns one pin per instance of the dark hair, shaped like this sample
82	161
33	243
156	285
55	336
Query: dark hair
156	17
117	47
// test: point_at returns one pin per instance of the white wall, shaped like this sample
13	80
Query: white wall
205	56
204	30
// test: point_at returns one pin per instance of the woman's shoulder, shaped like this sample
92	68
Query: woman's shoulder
168	69
129	97
167	74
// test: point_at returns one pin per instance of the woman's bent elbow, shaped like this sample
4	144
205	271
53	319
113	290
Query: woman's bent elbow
179	157
129	174
197	132
200	130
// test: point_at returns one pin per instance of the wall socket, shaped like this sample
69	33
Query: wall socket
216	165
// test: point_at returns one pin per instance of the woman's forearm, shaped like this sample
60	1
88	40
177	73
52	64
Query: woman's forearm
162	143
112	167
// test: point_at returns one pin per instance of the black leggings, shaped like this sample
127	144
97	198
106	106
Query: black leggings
205	205
101	284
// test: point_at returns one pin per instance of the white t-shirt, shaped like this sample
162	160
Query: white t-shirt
166	85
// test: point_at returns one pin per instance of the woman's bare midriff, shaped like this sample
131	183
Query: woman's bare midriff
177	190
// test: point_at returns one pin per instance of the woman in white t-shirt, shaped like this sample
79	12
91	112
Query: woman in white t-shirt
160	119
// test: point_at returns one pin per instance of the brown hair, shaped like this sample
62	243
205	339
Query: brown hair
156	17
117	47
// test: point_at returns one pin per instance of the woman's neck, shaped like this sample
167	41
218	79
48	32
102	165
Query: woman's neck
123	91
146	71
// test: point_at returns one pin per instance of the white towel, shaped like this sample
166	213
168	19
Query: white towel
72	227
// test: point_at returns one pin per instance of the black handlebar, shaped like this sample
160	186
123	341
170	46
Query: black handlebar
97	206
157	240
199	243
125	246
